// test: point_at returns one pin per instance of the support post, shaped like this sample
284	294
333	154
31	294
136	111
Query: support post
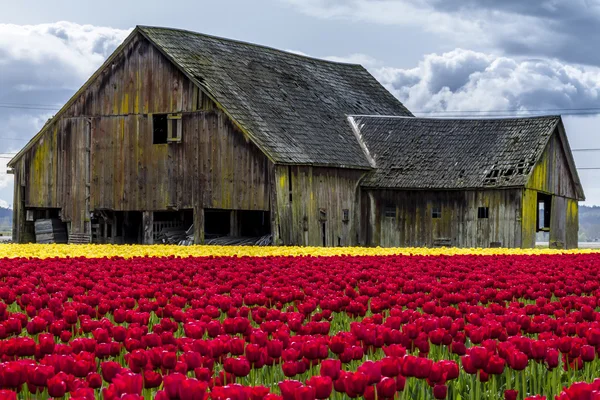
198	225
234	224
148	223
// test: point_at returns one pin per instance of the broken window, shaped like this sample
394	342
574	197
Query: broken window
322	214
436	212
544	211
174	128
390	211
483	212
166	128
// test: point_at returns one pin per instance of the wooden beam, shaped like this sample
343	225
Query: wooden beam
148	222
198	225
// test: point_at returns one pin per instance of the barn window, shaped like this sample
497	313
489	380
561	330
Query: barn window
390	211
166	128
160	126
345	215
483	212
544	209
436	212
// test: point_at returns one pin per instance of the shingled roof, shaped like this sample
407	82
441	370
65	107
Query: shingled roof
429	153
293	107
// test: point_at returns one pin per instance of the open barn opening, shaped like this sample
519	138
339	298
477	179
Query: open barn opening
172	227
237	227
254	223
44	225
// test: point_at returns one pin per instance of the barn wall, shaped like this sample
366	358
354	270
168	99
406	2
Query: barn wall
214	166
459	225
572	228
551	174
105	139
529	218
299	221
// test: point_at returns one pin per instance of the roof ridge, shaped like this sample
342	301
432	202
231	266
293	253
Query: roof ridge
483	118
262	46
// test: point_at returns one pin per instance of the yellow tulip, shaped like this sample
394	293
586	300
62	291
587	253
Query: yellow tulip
129	251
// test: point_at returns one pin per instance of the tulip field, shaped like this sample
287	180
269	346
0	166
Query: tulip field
144	322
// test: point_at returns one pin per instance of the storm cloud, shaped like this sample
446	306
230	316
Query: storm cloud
564	29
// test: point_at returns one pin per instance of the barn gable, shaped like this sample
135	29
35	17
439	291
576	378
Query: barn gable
293	107
555	170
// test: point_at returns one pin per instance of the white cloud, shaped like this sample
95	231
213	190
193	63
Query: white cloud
465	80
4	204
61	54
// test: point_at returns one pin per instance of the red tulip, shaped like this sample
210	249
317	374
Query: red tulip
192	389
94	380
440	391
323	386
357	383
518	361
390	367
386	388
495	365
305	393
331	368
56	386
274	348
510	394
109	370
289	388
588	353
152	379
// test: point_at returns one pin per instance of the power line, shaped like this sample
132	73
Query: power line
516	110
29	108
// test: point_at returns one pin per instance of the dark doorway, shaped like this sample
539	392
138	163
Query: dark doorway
544	211
254	223
217	223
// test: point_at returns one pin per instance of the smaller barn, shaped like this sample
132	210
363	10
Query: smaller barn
468	182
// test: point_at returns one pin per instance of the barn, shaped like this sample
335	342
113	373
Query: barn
178	128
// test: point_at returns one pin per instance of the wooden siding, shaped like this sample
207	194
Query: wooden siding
459	225
551	174
529	218
140	80
214	166
298	222
105	139
572	229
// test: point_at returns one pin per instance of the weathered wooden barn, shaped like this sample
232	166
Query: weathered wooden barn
238	139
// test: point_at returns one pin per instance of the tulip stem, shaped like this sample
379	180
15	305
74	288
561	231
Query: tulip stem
477	385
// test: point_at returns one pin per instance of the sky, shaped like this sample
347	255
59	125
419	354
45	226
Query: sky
439	57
